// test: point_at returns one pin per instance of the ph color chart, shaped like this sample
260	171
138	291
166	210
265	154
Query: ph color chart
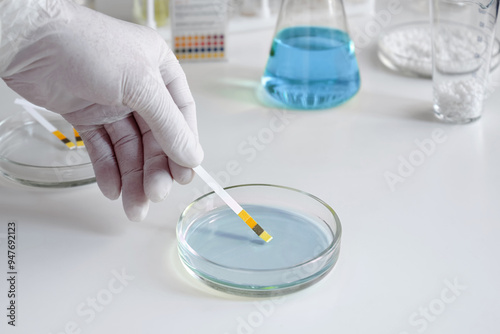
194	47
199	29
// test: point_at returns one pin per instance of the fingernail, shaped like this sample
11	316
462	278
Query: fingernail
112	196
185	176
157	193
112	193
157	186
198	155
137	213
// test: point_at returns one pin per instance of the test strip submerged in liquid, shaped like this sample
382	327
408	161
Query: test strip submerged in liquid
64	139
254	226
78	139
43	122
203	174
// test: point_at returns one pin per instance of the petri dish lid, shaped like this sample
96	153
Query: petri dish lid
406	49
32	156
219	249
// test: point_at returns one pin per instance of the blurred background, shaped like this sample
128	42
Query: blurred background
134	10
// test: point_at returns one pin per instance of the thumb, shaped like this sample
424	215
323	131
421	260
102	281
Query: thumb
151	99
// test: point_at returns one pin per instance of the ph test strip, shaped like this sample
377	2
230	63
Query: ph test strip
78	139
203	174
43	122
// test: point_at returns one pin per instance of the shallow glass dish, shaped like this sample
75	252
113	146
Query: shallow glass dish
407	49
31	155
218	248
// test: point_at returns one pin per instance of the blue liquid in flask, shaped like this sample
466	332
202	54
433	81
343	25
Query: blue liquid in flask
311	68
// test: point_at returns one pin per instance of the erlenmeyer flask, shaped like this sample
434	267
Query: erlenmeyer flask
312	64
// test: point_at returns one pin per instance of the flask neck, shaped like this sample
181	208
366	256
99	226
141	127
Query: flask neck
322	13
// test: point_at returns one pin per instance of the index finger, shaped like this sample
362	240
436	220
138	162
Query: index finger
176	82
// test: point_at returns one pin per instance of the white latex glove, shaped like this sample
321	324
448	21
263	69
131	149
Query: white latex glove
95	71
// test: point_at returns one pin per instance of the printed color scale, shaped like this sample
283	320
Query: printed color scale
194	47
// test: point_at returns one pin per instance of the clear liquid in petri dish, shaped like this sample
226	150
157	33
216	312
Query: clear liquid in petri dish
311	68
224	249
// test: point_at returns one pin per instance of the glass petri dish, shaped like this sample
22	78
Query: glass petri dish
407	49
32	156
219	249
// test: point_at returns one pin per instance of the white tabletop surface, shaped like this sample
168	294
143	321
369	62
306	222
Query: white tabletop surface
420	257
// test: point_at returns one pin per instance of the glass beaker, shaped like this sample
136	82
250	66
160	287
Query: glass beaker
161	12
462	40
86	3
312	64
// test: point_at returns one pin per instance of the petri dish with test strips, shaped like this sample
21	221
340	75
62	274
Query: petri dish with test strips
31	155
217	248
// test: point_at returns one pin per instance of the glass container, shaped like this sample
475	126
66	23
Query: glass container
219	249
311	64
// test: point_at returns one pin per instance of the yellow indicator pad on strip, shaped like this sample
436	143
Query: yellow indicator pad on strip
254	226
79	141
63	138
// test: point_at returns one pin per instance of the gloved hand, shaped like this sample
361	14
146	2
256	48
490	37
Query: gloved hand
117	83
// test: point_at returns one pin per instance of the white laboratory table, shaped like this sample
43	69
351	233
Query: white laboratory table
419	255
